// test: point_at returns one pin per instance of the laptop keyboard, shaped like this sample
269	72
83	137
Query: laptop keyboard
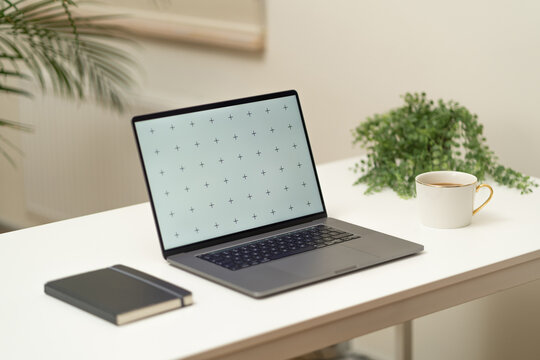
277	247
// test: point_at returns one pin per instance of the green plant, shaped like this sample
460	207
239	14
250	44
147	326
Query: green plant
423	136
44	41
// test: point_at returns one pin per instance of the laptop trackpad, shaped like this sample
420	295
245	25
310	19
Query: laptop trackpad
330	260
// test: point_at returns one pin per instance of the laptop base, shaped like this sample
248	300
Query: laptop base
372	248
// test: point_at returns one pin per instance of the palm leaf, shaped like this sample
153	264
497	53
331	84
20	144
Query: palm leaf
14	90
45	42
4	140
15	125
51	39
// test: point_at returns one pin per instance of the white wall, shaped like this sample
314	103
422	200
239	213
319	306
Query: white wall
350	59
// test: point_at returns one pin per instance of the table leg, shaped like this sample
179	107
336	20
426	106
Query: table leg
404	341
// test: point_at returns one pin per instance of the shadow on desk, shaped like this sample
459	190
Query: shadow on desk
488	218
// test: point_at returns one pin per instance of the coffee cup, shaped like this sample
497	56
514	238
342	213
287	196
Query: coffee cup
446	198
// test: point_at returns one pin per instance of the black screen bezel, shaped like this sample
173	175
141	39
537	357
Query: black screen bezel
245	233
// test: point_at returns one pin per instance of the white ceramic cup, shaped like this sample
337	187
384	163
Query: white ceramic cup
446	198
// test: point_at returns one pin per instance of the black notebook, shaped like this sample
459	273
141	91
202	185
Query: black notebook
119	294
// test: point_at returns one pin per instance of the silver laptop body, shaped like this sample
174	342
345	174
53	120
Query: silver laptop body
241	172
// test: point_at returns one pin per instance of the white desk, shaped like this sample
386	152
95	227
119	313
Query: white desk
499	250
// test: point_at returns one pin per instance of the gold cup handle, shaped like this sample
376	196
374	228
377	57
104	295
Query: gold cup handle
485	202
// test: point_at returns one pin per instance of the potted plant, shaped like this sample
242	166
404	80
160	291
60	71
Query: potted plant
47	43
425	136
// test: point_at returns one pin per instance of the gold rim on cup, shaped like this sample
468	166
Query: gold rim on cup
446	186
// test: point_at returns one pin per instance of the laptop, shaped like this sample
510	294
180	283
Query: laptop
236	198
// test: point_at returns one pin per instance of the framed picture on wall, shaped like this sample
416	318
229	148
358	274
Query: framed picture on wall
237	24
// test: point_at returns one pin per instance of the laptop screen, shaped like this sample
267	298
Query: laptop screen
220	169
